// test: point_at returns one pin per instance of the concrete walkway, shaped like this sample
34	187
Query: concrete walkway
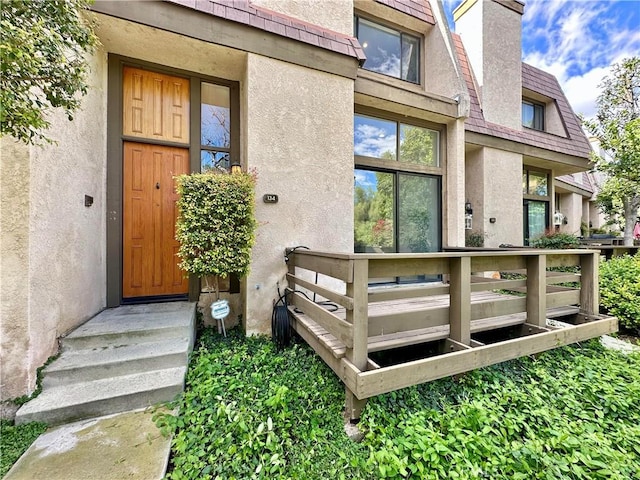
122	446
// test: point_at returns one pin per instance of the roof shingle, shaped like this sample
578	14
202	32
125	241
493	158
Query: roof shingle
536	80
242	11
420	9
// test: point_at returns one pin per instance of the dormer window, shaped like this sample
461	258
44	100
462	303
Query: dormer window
532	115
389	51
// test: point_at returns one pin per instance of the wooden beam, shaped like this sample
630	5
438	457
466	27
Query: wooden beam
537	290
562	260
324	353
399	267
387	379
497	263
342	330
589	295
335	297
332	267
460	300
357	318
397	293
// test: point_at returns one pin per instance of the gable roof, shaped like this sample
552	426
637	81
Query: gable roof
243	11
420	9
536	80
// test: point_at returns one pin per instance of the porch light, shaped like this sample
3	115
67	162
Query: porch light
558	218
468	216
236	168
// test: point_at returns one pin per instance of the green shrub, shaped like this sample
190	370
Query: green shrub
216	225
14	441
553	240
620	289
474	239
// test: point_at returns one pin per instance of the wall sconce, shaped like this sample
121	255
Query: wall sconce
558	219
468	216
236	168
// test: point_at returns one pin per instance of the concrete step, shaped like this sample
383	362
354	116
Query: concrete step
133	324
75	366
68	403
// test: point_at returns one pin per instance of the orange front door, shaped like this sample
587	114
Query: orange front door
150	262
155	109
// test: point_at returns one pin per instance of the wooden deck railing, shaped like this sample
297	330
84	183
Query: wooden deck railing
371	319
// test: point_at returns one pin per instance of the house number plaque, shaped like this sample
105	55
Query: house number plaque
270	198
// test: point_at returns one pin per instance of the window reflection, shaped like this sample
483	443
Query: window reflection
389	51
373	212
211	161
216	116
373	137
418	145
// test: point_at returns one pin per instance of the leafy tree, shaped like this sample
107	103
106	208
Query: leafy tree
43	48
617	127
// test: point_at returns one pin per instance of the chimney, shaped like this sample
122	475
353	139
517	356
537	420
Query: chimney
491	32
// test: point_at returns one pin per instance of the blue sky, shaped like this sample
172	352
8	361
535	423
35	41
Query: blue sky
577	41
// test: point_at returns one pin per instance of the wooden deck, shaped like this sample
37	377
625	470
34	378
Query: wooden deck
451	314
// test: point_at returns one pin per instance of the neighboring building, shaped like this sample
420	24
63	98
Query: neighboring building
375	155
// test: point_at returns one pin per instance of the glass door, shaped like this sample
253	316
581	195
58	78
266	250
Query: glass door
396	212
536	215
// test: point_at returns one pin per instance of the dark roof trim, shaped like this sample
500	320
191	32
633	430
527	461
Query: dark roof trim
420	9
190	22
243	11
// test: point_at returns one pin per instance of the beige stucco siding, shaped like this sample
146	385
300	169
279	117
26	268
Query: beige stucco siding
336	15
494	188
15	379
298	137
53	247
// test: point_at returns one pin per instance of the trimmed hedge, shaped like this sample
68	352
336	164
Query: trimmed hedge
216	225
553	240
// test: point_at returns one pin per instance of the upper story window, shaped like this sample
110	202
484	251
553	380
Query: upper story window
532	115
389	140
389	51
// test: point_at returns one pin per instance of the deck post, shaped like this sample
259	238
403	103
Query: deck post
589	295
358	290
537	290
460	299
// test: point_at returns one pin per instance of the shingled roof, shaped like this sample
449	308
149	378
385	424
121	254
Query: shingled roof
243	11
536	80
420	9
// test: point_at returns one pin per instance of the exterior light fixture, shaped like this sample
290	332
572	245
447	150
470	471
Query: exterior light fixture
468	216
558	218
236	168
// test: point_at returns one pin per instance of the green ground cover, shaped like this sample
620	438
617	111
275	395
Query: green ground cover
14	441
250	411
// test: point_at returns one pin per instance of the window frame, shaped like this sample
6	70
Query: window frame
396	164
402	33
538	120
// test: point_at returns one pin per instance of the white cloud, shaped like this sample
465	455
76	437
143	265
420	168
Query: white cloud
371	141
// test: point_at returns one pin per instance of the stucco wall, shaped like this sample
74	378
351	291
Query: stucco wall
299	140
494	188
571	208
495	58
454	198
59	272
336	15
15	375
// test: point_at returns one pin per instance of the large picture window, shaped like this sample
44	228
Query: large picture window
389	140
389	51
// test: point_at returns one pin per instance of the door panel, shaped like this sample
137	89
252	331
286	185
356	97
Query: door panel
155	106
150	262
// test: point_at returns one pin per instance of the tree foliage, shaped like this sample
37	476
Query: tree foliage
617	128
43	50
